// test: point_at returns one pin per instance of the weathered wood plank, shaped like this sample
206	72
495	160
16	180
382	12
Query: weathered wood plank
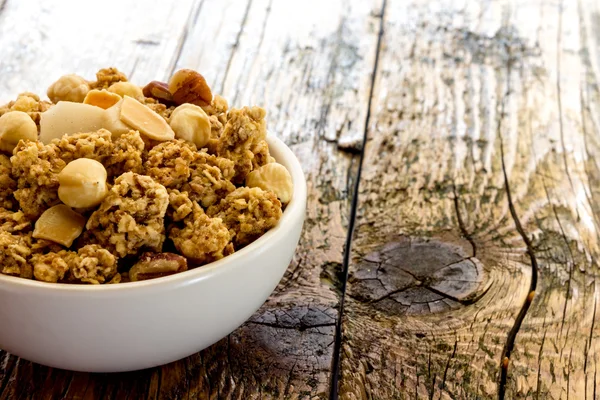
557	349
312	70
464	190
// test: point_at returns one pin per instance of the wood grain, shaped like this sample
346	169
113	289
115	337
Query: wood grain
312	71
481	141
473	265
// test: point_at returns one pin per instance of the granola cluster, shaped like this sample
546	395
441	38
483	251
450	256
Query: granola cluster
132	198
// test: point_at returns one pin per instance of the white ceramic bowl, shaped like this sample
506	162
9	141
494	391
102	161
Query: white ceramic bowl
137	325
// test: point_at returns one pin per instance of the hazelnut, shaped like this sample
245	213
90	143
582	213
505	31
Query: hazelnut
274	177
159	91
127	89
82	183
190	123
101	98
69	88
59	224
188	86
16	126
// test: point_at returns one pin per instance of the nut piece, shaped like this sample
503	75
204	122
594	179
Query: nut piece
159	91
69	88
101	98
82	183
155	265
274	177
68	118
188	86
143	119
190	123
15	126
59	224
127	89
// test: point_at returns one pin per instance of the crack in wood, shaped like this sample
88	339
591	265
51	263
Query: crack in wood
461	223
448	366
512	334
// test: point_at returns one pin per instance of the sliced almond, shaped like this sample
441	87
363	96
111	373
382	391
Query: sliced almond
101	98
59	224
146	121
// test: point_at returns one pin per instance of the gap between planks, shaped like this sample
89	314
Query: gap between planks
335	368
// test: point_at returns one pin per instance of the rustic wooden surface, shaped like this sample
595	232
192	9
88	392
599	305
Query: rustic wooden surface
469	131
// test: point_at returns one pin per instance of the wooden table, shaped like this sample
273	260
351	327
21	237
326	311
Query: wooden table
457	140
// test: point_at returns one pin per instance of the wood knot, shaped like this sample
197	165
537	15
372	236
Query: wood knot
417	276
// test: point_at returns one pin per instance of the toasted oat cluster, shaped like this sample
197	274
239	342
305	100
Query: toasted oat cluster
111	182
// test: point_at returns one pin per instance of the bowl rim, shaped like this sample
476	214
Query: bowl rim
294	210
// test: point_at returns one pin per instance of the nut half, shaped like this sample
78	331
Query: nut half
155	265
274	177
82	183
188	86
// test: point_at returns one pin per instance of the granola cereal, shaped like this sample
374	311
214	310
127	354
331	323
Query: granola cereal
7	184
36	168
106	77
13	255
93	265
180	205
210	179
14	221
169	162
163	205
243	137
131	217
126	155
202	239
94	145
248	213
